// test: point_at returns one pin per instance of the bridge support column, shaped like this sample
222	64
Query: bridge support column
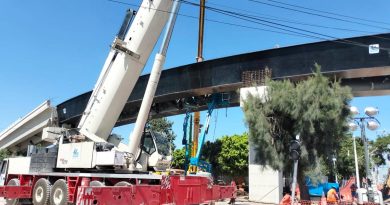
265	184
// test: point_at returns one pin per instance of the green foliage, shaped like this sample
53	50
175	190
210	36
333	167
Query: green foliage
315	108
317	171
233	158
179	159
4	154
210	153
381	146
228	156
346	158
163	125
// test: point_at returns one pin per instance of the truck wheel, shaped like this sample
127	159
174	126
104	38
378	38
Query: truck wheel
59	193
122	183
41	192
96	183
13	182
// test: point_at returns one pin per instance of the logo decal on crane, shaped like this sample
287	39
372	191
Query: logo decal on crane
75	153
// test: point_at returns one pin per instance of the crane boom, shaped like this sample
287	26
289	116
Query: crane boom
151	87
122	69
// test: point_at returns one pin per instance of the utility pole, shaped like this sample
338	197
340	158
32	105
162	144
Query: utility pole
199	58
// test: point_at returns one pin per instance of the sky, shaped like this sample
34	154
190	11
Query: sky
55	49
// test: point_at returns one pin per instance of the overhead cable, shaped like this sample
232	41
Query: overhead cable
332	13
320	15
288	31
270	17
281	26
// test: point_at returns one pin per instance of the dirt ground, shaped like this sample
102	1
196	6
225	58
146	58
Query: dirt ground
239	201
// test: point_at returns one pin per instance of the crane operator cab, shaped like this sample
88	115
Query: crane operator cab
155	152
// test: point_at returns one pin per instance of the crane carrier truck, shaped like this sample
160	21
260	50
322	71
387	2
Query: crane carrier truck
89	165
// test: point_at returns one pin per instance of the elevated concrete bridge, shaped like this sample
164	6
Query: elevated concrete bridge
28	129
365	70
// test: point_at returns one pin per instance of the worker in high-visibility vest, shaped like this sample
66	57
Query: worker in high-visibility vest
332	196
286	200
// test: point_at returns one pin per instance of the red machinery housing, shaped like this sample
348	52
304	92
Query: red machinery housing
175	189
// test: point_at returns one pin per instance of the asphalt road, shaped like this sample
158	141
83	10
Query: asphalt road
240	202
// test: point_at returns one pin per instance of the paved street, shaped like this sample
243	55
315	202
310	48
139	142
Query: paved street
239	202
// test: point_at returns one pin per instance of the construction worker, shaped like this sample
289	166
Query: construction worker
353	188
286	199
332	196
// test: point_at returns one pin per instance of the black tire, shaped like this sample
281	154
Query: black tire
13	182
41	192
123	183
59	193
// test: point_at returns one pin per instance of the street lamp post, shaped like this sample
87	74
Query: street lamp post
372	124
356	164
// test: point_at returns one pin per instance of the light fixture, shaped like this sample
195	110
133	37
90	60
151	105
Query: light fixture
372	125
371	111
354	110
353	126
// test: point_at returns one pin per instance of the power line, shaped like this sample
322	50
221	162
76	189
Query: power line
280	26
320	15
270	17
327	12
217	21
262	22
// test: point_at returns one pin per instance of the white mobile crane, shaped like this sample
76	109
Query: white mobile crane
87	164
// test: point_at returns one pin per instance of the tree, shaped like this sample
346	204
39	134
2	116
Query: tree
4	153
233	158
315	108
346	158
178	161
381	146
318	171
210	153
228	156
164	126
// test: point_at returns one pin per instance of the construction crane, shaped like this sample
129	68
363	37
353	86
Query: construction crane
194	145
88	164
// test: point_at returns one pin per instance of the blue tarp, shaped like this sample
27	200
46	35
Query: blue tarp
320	188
